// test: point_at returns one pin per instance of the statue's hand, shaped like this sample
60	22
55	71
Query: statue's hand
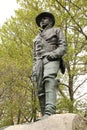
51	56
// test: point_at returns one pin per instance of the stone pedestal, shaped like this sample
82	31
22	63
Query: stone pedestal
55	122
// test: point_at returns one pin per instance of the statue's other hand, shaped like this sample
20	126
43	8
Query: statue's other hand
51	56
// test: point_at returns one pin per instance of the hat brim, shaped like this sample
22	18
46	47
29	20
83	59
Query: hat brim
45	14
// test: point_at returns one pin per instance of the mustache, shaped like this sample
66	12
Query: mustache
41	24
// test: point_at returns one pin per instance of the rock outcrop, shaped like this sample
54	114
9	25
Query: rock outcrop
55	122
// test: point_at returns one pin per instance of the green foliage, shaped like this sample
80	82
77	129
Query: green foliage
66	105
18	103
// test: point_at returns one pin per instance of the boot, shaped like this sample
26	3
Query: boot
50	96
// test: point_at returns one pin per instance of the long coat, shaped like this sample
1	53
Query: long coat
49	40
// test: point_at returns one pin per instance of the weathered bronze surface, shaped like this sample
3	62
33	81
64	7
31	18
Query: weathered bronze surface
49	48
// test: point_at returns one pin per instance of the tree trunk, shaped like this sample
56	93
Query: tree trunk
71	94
19	116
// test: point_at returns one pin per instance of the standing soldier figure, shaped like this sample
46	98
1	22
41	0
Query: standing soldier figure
49	48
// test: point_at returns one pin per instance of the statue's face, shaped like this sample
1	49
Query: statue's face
44	22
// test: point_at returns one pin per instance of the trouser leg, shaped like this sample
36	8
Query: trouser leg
50	95
50	87
47	98
41	97
50	83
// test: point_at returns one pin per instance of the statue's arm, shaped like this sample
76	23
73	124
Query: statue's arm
61	49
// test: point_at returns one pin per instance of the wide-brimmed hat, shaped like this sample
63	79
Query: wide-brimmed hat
45	14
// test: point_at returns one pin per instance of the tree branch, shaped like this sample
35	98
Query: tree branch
61	92
80	29
79	86
64	85
81	96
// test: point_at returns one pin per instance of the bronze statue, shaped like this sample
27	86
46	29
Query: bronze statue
49	48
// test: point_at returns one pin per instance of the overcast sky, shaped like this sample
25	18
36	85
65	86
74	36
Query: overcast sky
7	8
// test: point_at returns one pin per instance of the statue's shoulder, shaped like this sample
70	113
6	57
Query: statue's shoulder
53	29
56	29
